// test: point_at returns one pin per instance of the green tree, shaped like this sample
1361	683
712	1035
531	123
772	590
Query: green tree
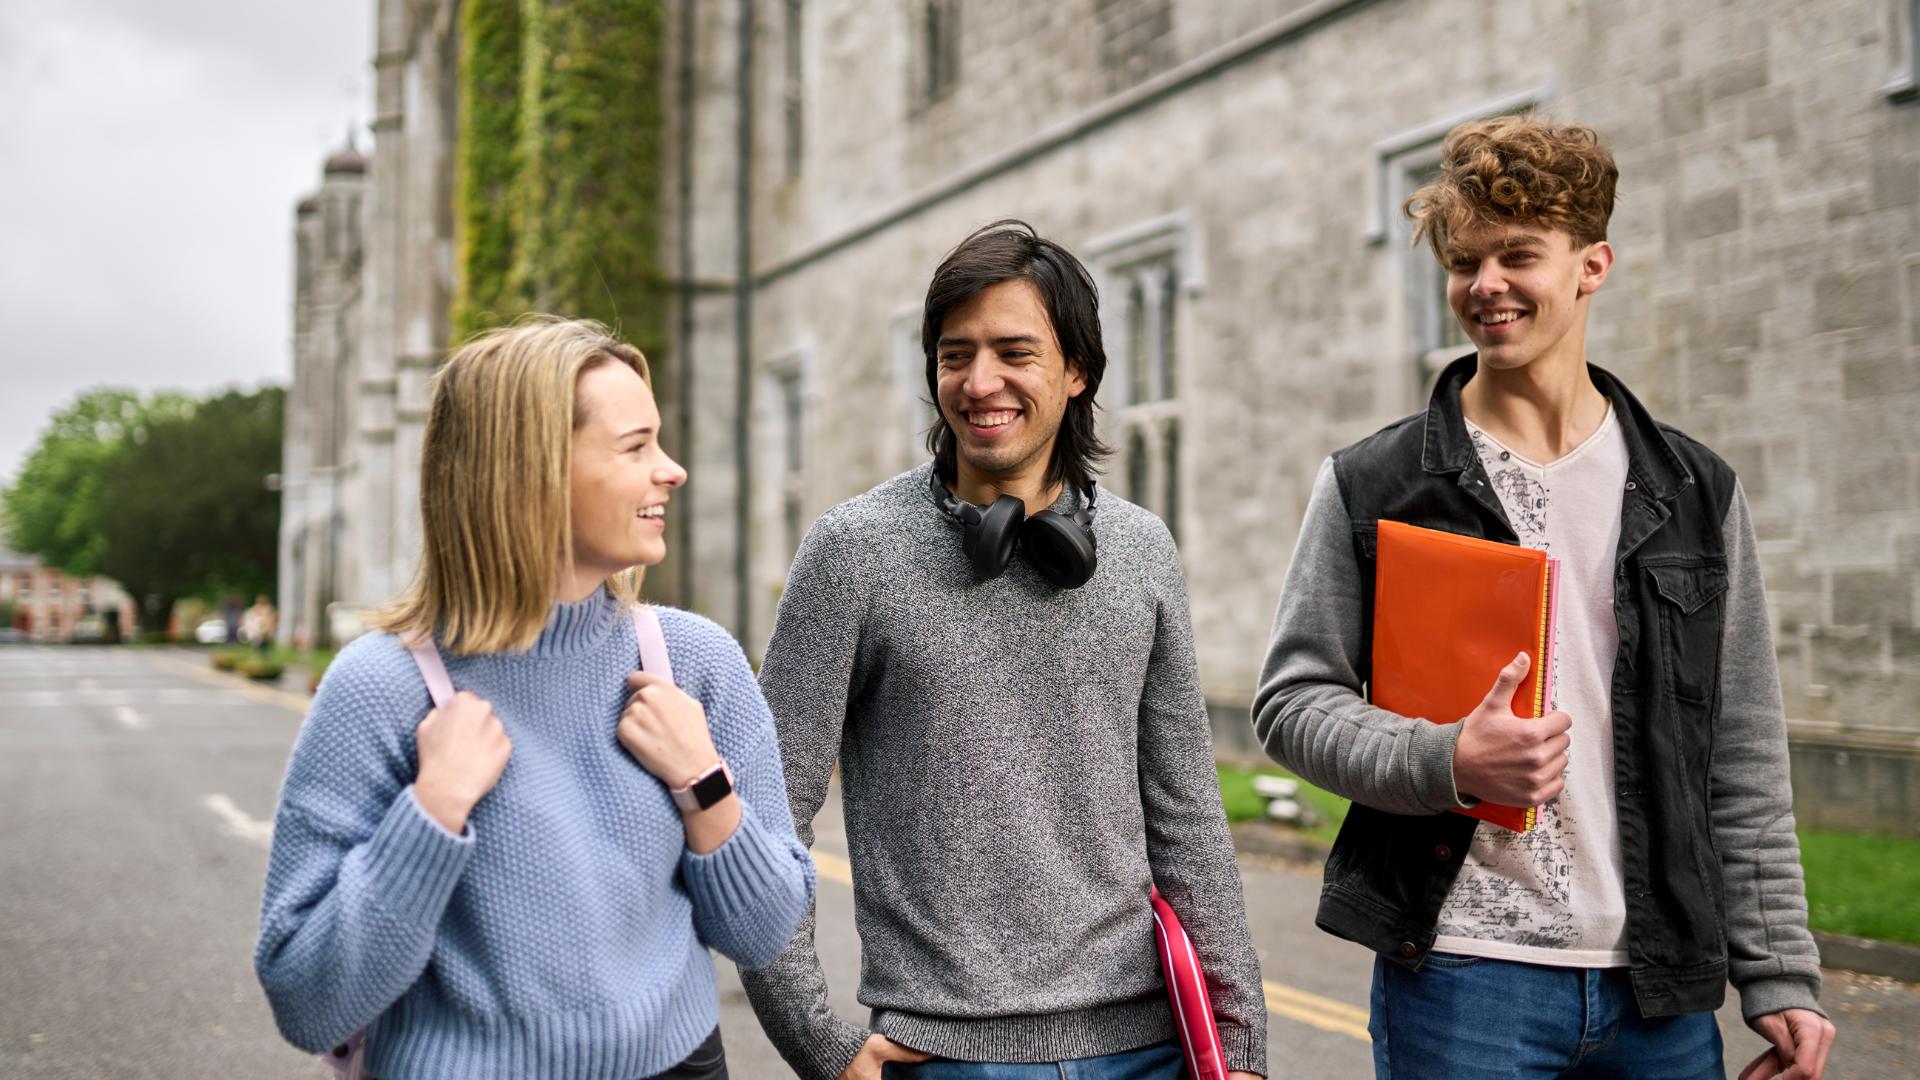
191	513
55	506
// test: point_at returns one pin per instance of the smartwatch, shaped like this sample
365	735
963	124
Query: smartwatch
705	790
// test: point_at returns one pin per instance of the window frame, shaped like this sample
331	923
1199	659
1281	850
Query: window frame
1904	86
1431	337
907	368
1148	272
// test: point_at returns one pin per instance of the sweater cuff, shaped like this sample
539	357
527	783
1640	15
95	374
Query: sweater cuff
1777	993
1430	753
413	862
831	1049
1243	1049
734	882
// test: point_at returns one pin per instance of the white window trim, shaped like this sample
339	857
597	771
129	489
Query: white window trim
1168	236
1394	157
1395	161
1156	236
907	366
783	481
1904	86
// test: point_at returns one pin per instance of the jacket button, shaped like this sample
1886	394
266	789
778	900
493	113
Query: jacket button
1409	950
1631	485
1443	853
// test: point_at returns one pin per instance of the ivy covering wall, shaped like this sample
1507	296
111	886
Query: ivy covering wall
559	164
484	164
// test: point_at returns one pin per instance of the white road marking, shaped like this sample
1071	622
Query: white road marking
130	719
130	695
237	822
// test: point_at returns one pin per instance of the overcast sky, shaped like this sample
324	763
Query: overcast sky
151	153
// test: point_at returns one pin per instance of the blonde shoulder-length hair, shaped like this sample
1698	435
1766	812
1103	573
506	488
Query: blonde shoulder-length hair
495	501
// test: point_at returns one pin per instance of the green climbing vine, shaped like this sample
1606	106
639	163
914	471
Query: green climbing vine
558	195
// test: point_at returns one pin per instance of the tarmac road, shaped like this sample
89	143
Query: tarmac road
136	792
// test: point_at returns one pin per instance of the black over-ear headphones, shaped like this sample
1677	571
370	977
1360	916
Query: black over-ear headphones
1060	546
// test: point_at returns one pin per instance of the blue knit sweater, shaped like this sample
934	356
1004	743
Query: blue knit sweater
565	934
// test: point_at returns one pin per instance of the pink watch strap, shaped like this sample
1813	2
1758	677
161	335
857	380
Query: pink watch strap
684	798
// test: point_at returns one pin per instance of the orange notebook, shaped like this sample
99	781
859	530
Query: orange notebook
1448	613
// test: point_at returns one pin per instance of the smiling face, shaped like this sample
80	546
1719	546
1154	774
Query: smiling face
1520	291
1004	383
621	478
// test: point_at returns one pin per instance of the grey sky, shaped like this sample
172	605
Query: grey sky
151	152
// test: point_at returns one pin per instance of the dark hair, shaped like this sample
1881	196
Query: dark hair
1009	250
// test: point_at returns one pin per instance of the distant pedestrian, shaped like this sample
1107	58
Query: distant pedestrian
525	882
1664	860
259	624
1024	751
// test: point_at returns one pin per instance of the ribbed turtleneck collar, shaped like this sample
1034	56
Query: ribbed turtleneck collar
576	628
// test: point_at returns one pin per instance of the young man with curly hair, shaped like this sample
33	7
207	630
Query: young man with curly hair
1664	862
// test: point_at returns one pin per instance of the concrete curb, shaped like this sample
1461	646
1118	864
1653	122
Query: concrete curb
1278	842
1868	957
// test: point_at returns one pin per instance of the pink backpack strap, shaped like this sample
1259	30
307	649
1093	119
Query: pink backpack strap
432	668
653	643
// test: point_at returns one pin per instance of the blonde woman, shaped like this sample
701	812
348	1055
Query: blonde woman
525	882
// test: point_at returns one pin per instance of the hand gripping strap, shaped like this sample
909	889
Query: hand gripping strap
653	643
347	1057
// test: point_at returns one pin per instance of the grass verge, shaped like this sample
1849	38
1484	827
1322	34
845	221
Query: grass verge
1859	884
1862	884
1244	804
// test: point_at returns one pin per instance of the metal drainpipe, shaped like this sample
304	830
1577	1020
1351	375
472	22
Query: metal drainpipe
684	362
743	329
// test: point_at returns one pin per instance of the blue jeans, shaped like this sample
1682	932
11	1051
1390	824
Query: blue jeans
1468	1017
1162	1062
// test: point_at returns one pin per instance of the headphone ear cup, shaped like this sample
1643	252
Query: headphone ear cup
1060	548
989	544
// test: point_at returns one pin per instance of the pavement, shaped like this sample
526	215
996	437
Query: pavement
137	788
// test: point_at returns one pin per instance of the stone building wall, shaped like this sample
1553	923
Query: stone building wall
1232	169
317	474
370	326
1767	296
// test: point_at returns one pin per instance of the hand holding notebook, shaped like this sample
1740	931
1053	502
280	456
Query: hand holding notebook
1504	758
1449	612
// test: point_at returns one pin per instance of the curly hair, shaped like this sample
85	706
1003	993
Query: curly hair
1516	170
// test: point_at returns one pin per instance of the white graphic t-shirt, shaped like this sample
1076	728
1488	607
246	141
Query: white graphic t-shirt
1554	895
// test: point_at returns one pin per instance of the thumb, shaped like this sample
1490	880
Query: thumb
1508	681
1764	1067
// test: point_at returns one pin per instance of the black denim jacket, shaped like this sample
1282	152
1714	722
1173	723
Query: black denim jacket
1389	873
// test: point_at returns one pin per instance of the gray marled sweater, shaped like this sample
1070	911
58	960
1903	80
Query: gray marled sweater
1019	764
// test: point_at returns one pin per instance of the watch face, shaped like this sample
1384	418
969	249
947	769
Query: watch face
711	788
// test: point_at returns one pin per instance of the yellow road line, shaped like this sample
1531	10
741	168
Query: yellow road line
1314	1010
265	694
1322	1012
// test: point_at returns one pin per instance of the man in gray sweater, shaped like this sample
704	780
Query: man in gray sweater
1664	861
1002	662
